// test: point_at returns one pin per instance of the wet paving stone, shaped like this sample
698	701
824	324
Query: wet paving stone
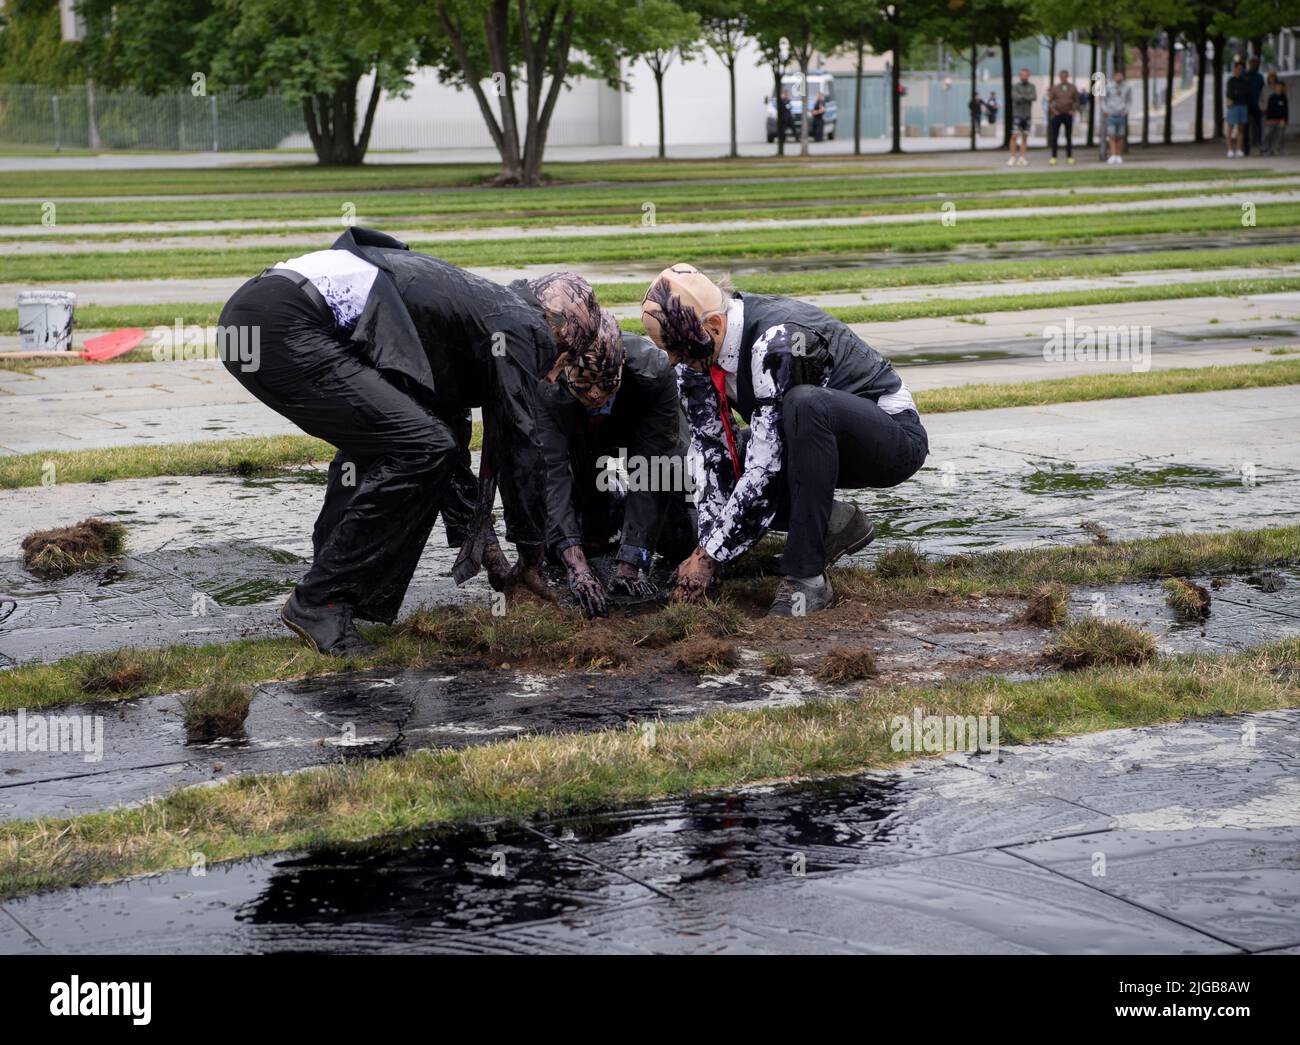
1241	887
943	857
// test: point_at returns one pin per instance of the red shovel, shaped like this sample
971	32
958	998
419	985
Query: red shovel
109	346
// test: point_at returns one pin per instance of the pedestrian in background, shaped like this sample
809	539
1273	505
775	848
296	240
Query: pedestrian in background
1062	104
1237	95
1115	106
1023	95
1254	114
1276	115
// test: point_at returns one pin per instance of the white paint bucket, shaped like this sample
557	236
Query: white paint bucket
45	320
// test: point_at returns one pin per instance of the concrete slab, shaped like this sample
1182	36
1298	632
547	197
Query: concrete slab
933	859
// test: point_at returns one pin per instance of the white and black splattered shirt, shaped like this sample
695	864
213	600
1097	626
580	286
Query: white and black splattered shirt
735	511
343	279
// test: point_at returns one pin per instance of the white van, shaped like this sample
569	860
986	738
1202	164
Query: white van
819	82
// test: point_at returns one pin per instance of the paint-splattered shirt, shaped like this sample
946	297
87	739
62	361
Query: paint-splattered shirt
807	347
735	511
343	279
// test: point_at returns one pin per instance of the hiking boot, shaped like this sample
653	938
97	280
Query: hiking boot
796	598
327	629
847	531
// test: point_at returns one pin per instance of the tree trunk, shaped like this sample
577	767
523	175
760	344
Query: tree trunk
896	101
805	59
1006	91
857	102
974	88
780	110
1199	135
1092	73
731	75
659	94
1144	51
1051	63
1172	49
1219	46
332	124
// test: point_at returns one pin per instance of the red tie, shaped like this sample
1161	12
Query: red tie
719	377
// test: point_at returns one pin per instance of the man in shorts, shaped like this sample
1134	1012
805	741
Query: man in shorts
1023	95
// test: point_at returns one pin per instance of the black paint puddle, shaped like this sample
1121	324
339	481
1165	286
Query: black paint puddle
1085	845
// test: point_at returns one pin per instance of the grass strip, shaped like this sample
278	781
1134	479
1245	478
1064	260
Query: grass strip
552	635
305	177
570	773
938	307
703	246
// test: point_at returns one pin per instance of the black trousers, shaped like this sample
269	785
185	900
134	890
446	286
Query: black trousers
1054	126
395	458
1254	128
836	440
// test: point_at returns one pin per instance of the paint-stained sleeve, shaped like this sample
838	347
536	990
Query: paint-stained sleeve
782	357
709	459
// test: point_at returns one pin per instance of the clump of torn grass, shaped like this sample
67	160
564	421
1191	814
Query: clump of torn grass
1188	600
844	664
1047	606
1097	642
216	709
778	662
526	629
1097	531
118	672
704	655
67	549
594	649
679	621
903	560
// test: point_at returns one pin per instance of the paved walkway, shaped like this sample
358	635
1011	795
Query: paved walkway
117	404
1169	840
944	152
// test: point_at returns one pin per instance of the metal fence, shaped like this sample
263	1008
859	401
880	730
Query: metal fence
84	117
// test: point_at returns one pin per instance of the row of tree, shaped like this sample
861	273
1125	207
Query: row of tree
517	56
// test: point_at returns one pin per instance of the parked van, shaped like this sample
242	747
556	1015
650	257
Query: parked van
819	82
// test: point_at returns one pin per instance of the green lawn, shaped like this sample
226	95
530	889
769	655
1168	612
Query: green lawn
718	249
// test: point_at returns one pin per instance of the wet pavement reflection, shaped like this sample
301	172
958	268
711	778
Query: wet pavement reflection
1174	839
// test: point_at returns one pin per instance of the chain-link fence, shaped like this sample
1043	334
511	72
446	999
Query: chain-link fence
85	117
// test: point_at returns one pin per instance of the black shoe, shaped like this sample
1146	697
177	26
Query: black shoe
847	531
327	629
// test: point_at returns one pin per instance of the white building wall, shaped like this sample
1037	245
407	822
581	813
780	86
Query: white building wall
697	101
438	116
435	115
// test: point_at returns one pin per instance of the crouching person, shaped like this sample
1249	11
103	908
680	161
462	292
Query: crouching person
382	352
825	411
616	402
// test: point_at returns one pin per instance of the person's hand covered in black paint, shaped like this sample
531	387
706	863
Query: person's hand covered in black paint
630	581
584	584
